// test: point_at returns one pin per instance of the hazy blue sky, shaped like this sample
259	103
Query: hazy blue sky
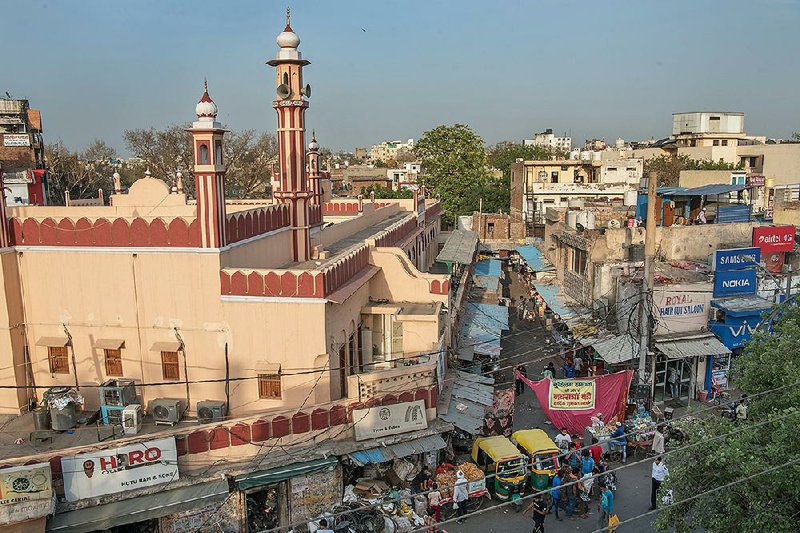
605	69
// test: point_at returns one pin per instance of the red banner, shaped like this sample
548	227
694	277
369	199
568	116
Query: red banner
772	239
611	396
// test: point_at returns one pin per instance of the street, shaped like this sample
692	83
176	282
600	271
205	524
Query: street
633	486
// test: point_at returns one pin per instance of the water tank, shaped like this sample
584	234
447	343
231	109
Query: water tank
636	252
572	218
590	219
575	202
583	218
629	200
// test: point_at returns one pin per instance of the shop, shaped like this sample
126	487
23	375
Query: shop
680	365
26	498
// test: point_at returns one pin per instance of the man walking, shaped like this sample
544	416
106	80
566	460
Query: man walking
606	506
555	493
461	495
539	512
572	491
658	475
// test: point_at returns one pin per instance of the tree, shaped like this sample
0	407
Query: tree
455	168
770	369
497	195
82	174
668	167
248	157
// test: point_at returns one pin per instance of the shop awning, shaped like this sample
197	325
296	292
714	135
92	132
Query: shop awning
488	267
471	398
713	189
556	302
483	326
120	513
53	342
694	346
399	450
166	346
459	249
109	344
743	305
616	350
535	259
282	473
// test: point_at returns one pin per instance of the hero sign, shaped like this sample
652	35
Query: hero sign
772	239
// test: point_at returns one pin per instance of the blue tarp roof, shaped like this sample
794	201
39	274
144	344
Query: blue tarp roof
488	267
553	300
533	256
714	188
385	454
483	326
487	282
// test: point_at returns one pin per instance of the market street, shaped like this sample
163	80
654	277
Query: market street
633	486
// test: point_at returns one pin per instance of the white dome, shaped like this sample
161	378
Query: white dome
288	39
206	106
313	145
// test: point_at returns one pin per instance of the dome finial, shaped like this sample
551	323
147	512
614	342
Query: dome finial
288	18
205	84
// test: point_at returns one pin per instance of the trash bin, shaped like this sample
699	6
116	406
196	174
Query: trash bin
41	419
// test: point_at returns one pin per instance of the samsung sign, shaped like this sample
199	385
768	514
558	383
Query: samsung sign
734	282
736	258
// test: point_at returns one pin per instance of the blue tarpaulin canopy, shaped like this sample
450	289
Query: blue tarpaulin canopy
713	189
535	259
556	302
488	267
385	454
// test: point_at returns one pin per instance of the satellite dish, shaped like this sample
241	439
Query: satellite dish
307	91
284	91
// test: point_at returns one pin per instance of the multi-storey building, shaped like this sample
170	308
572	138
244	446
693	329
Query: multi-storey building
389	150
547	139
287	322
22	153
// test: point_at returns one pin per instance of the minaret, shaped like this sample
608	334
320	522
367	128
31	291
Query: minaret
5	237
209	173
314	175
291	109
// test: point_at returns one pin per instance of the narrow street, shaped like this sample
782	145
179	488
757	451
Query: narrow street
633	488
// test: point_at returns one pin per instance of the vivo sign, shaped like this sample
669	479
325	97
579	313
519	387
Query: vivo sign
736	258
734	282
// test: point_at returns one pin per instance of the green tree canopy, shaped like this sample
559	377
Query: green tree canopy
668	167
770	369
497	194
455	167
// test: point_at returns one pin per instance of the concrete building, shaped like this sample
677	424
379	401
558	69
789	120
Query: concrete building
22	153
357	178
405	177
280	325
547	139
388	150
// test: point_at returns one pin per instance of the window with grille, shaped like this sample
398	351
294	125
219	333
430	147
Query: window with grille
58	356
269	386
170	366
113	362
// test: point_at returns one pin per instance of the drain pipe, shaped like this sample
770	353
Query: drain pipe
182	349
72	350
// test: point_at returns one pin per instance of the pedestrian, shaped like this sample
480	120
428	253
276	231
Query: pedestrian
658	440
741	409
585	494
539	508
519	385
550	370
555	494
563	440
435	501
431	521
658	475
701	216
587	463
597	452
578	362
673	378
606	507
421	481
574	457
322	526
620	441
568	369
571	491
461	495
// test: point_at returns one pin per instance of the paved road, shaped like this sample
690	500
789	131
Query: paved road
633	487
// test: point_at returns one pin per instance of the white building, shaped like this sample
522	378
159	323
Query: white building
406	177
547	139
389	150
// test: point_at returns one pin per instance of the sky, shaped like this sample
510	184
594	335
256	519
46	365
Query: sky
386	69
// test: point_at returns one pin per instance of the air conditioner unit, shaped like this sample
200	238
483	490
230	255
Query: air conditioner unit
166	411
716	315
211	411
132	419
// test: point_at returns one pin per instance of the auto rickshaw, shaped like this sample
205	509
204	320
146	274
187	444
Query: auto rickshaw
542	455
499	457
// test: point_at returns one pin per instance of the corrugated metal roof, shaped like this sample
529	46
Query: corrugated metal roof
551	296
617	349
459	248
483	327
713	189
397	451
533	256
742	305
471	397
696	346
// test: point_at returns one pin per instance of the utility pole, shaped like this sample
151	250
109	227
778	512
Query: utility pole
647	279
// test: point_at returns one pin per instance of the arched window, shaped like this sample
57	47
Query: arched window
286	78
218	153
203	154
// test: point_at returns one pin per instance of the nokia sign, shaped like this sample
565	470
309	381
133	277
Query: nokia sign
734	283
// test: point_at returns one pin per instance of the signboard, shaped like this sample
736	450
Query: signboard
774	262
16	139
385	420
119	469
734	335
572	394
736	258
733	282
755	181
681	308
773	239
26	492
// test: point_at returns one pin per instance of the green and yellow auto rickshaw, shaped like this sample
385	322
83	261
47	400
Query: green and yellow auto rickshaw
542	454
498	457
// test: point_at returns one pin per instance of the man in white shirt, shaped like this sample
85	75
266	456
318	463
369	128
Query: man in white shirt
659	474
563	440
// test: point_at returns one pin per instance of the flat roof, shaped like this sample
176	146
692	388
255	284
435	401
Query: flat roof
709	113
459	248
